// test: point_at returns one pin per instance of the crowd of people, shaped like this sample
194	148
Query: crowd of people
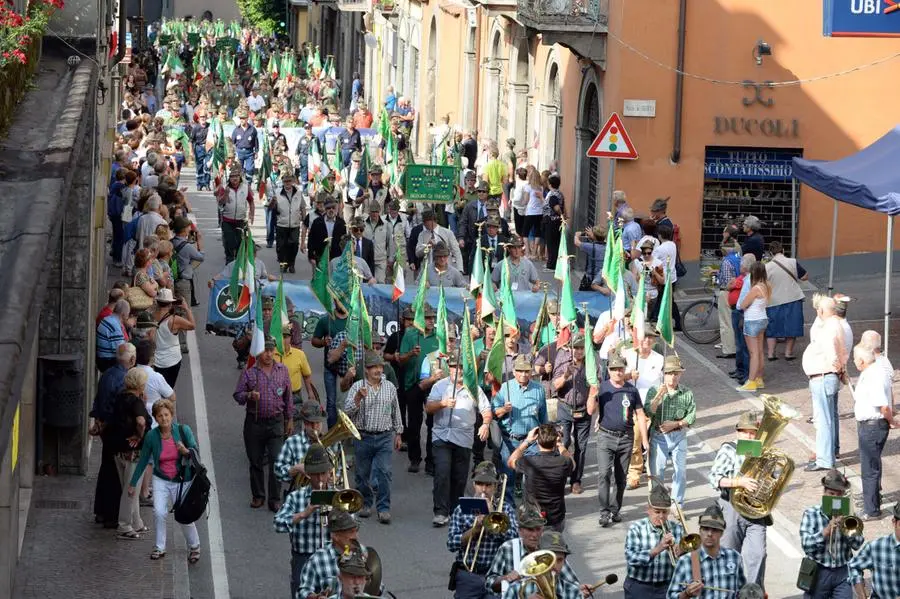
520	434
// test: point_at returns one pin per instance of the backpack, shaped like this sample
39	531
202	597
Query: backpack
191	504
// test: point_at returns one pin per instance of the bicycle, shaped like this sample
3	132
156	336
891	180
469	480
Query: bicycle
700	320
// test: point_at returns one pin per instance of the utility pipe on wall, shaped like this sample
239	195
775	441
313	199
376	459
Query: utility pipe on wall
679	83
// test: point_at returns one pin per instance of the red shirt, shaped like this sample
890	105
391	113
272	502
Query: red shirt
362	121
106	311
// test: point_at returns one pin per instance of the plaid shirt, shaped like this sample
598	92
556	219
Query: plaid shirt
642	537
378	412
726	465
679	405
490	544
505	562
321	572
727	270
725	571
564	589
816	546
343	364
292	452
275	396
305	534
882	557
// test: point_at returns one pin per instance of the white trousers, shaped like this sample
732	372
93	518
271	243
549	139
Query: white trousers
129	507
164	495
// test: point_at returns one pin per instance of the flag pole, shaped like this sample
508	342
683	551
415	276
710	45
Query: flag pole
458	358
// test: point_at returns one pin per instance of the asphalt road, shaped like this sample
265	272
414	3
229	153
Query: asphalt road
245	558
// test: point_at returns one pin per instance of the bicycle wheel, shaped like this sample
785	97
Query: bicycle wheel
700	322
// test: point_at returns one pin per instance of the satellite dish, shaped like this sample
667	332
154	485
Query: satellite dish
371	41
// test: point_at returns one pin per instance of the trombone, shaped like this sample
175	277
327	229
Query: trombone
849	526
496	523
689	542
664	527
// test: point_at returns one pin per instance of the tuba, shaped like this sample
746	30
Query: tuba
342	430
537	567
773	469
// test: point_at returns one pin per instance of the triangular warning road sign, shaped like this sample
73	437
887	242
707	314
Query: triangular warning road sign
613	141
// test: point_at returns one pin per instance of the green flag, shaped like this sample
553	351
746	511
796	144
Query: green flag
265	169
488	297
441	325
542	319
319	283
613	262
639	309
507	300
664	320
359	325
341	278
279	315
274	61
562	260
337	162
362	173
568	314
468	358
590	355
384	124
419	302
497	353
255	61
608	254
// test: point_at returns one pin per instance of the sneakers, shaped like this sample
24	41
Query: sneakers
605	520
440	520
616	518
749	386
760	384
384	517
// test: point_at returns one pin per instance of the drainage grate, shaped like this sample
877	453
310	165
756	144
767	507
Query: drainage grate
56	504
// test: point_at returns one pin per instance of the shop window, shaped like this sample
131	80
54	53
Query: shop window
740	182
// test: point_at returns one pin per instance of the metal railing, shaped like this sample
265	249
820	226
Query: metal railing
563	12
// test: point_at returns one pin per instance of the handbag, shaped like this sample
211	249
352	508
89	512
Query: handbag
808	575
190	505
138	299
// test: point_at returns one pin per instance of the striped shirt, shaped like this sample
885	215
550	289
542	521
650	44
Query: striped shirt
490	544
642	537
343	364
292	452
677	405
832	552
508	558
529	407
110	336
379	410
305	534
275	397
724	571
882	557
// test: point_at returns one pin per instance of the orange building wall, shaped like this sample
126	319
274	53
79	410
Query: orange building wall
836	116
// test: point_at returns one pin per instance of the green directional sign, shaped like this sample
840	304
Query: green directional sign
430	183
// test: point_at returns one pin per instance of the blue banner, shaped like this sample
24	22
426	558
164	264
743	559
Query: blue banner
749	164
224	319
861	18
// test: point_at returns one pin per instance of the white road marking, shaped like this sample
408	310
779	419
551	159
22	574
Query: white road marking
214	523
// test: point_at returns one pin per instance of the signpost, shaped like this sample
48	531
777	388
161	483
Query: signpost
614	143
430	183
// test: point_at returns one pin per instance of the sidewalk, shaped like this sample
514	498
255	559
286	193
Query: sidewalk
67	556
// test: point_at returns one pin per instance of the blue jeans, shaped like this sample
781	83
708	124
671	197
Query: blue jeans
872	435
672	445
271	219
507	447
824	390
741	353
246	157
202	167
331	397
373	464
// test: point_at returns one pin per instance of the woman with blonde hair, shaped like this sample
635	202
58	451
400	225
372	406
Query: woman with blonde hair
125	434
166	445
755	322
534	211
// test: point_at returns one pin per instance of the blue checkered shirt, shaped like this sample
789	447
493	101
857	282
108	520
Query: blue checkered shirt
321	572
292	453
529	407
305	534
490	544
564	589
728	270
642	537
818	548
726	465
725	571
505	562
882	557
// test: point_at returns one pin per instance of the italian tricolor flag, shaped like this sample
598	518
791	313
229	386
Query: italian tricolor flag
399	281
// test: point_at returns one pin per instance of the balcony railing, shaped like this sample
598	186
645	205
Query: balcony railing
354	5
577	15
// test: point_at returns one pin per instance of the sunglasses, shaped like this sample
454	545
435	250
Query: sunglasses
647	252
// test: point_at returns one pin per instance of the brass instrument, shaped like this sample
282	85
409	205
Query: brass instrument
849	526
537	567
671	551
689	542
373	565
347	499
342	430
496	523
772	470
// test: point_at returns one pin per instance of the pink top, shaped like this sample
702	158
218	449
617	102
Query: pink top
168	458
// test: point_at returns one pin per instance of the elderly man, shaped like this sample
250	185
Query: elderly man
373	407
322	567
565	586
354	575
651	546
265	391
753	242
288	209
439	270
111	334
380	235
824	362
150	219
570	384
432	234
327	226
729	269
236	209
522	272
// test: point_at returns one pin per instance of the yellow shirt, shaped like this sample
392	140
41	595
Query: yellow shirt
494	171
297	365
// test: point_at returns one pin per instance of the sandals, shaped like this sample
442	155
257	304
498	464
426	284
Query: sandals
143	530
194	555
131	535
157	554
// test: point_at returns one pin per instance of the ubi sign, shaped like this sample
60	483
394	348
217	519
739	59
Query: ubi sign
765	127
862	18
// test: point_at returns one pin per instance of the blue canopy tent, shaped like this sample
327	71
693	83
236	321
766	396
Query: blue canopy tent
868	179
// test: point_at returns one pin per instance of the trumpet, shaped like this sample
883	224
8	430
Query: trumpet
689	542
848	526
496	523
